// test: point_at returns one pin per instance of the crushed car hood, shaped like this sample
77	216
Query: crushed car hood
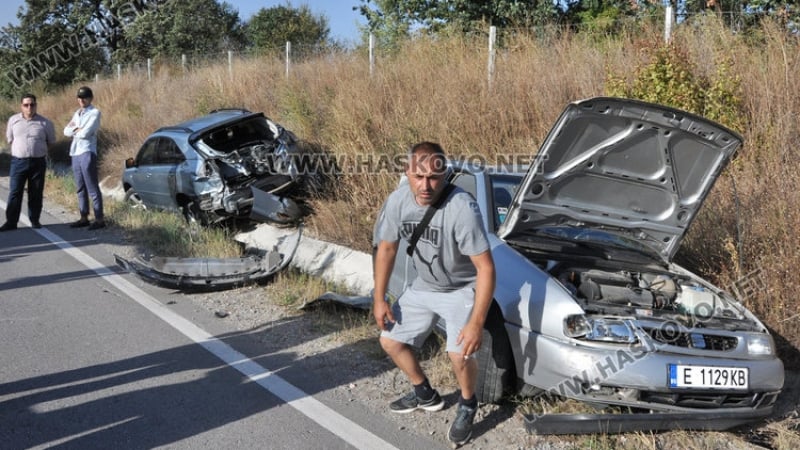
624	166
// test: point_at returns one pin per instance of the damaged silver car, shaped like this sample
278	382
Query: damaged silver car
231	163
589	304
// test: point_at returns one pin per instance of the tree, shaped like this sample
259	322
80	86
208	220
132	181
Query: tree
271	28
395	17
388	21
174	28
56	42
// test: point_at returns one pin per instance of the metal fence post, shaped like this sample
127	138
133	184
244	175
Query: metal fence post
492	39
371	53
230	64
668	20
288	56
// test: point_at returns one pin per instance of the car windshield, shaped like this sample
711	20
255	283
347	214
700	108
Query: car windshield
596	238
237	135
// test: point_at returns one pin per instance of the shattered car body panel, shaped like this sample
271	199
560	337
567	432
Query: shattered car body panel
588	304
208	168
208	274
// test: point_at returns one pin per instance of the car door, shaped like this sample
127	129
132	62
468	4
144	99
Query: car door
163	173
141	177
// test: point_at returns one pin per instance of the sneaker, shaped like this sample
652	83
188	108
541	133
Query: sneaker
411	403
8	226
80	223
461	430
36	224
97	225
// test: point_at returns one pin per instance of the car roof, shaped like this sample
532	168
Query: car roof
212	120
490	169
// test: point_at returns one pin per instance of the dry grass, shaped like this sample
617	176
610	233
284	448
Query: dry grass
61	190
168	234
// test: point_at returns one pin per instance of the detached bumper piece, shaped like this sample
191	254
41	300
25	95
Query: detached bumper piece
203	274
271	208
632	422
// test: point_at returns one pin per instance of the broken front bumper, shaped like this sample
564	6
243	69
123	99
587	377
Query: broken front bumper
206	274
202	273
717	420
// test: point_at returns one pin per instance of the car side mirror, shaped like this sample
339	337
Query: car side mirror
130	162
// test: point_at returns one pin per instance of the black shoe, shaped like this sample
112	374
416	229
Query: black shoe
411	403
80	223
35	224
97	225
8	226
461	430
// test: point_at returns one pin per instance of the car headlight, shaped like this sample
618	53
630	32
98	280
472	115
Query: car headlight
759	344
599	329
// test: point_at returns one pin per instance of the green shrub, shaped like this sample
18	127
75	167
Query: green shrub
670	78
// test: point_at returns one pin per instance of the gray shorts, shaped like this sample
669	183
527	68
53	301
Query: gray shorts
416	312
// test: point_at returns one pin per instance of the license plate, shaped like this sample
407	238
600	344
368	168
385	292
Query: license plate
708	377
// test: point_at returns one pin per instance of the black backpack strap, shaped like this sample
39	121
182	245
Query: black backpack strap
423	224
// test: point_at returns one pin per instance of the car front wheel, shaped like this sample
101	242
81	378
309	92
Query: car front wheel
133	200
496	372
193	214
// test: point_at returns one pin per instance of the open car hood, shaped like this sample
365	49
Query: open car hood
624	166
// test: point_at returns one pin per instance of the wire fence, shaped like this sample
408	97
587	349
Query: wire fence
371	48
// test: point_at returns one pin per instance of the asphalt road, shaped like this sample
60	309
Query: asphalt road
94	358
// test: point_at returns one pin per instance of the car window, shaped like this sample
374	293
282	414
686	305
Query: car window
466	181
148	154
169	152
503	189
235	136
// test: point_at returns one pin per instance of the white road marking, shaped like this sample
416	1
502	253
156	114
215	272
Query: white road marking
326	417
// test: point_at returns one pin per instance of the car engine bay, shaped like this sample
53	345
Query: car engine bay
651	295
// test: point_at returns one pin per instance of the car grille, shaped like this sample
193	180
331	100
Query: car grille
693	339
711	400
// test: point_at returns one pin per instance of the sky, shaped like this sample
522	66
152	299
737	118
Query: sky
342	20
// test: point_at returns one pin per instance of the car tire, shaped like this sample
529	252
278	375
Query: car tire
496	373
193	214
133	200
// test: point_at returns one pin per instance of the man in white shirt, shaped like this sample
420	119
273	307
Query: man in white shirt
83	151
30	135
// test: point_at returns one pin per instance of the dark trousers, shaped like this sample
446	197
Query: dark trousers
84	168
30	171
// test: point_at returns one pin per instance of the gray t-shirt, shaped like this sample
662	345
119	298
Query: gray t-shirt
455	232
